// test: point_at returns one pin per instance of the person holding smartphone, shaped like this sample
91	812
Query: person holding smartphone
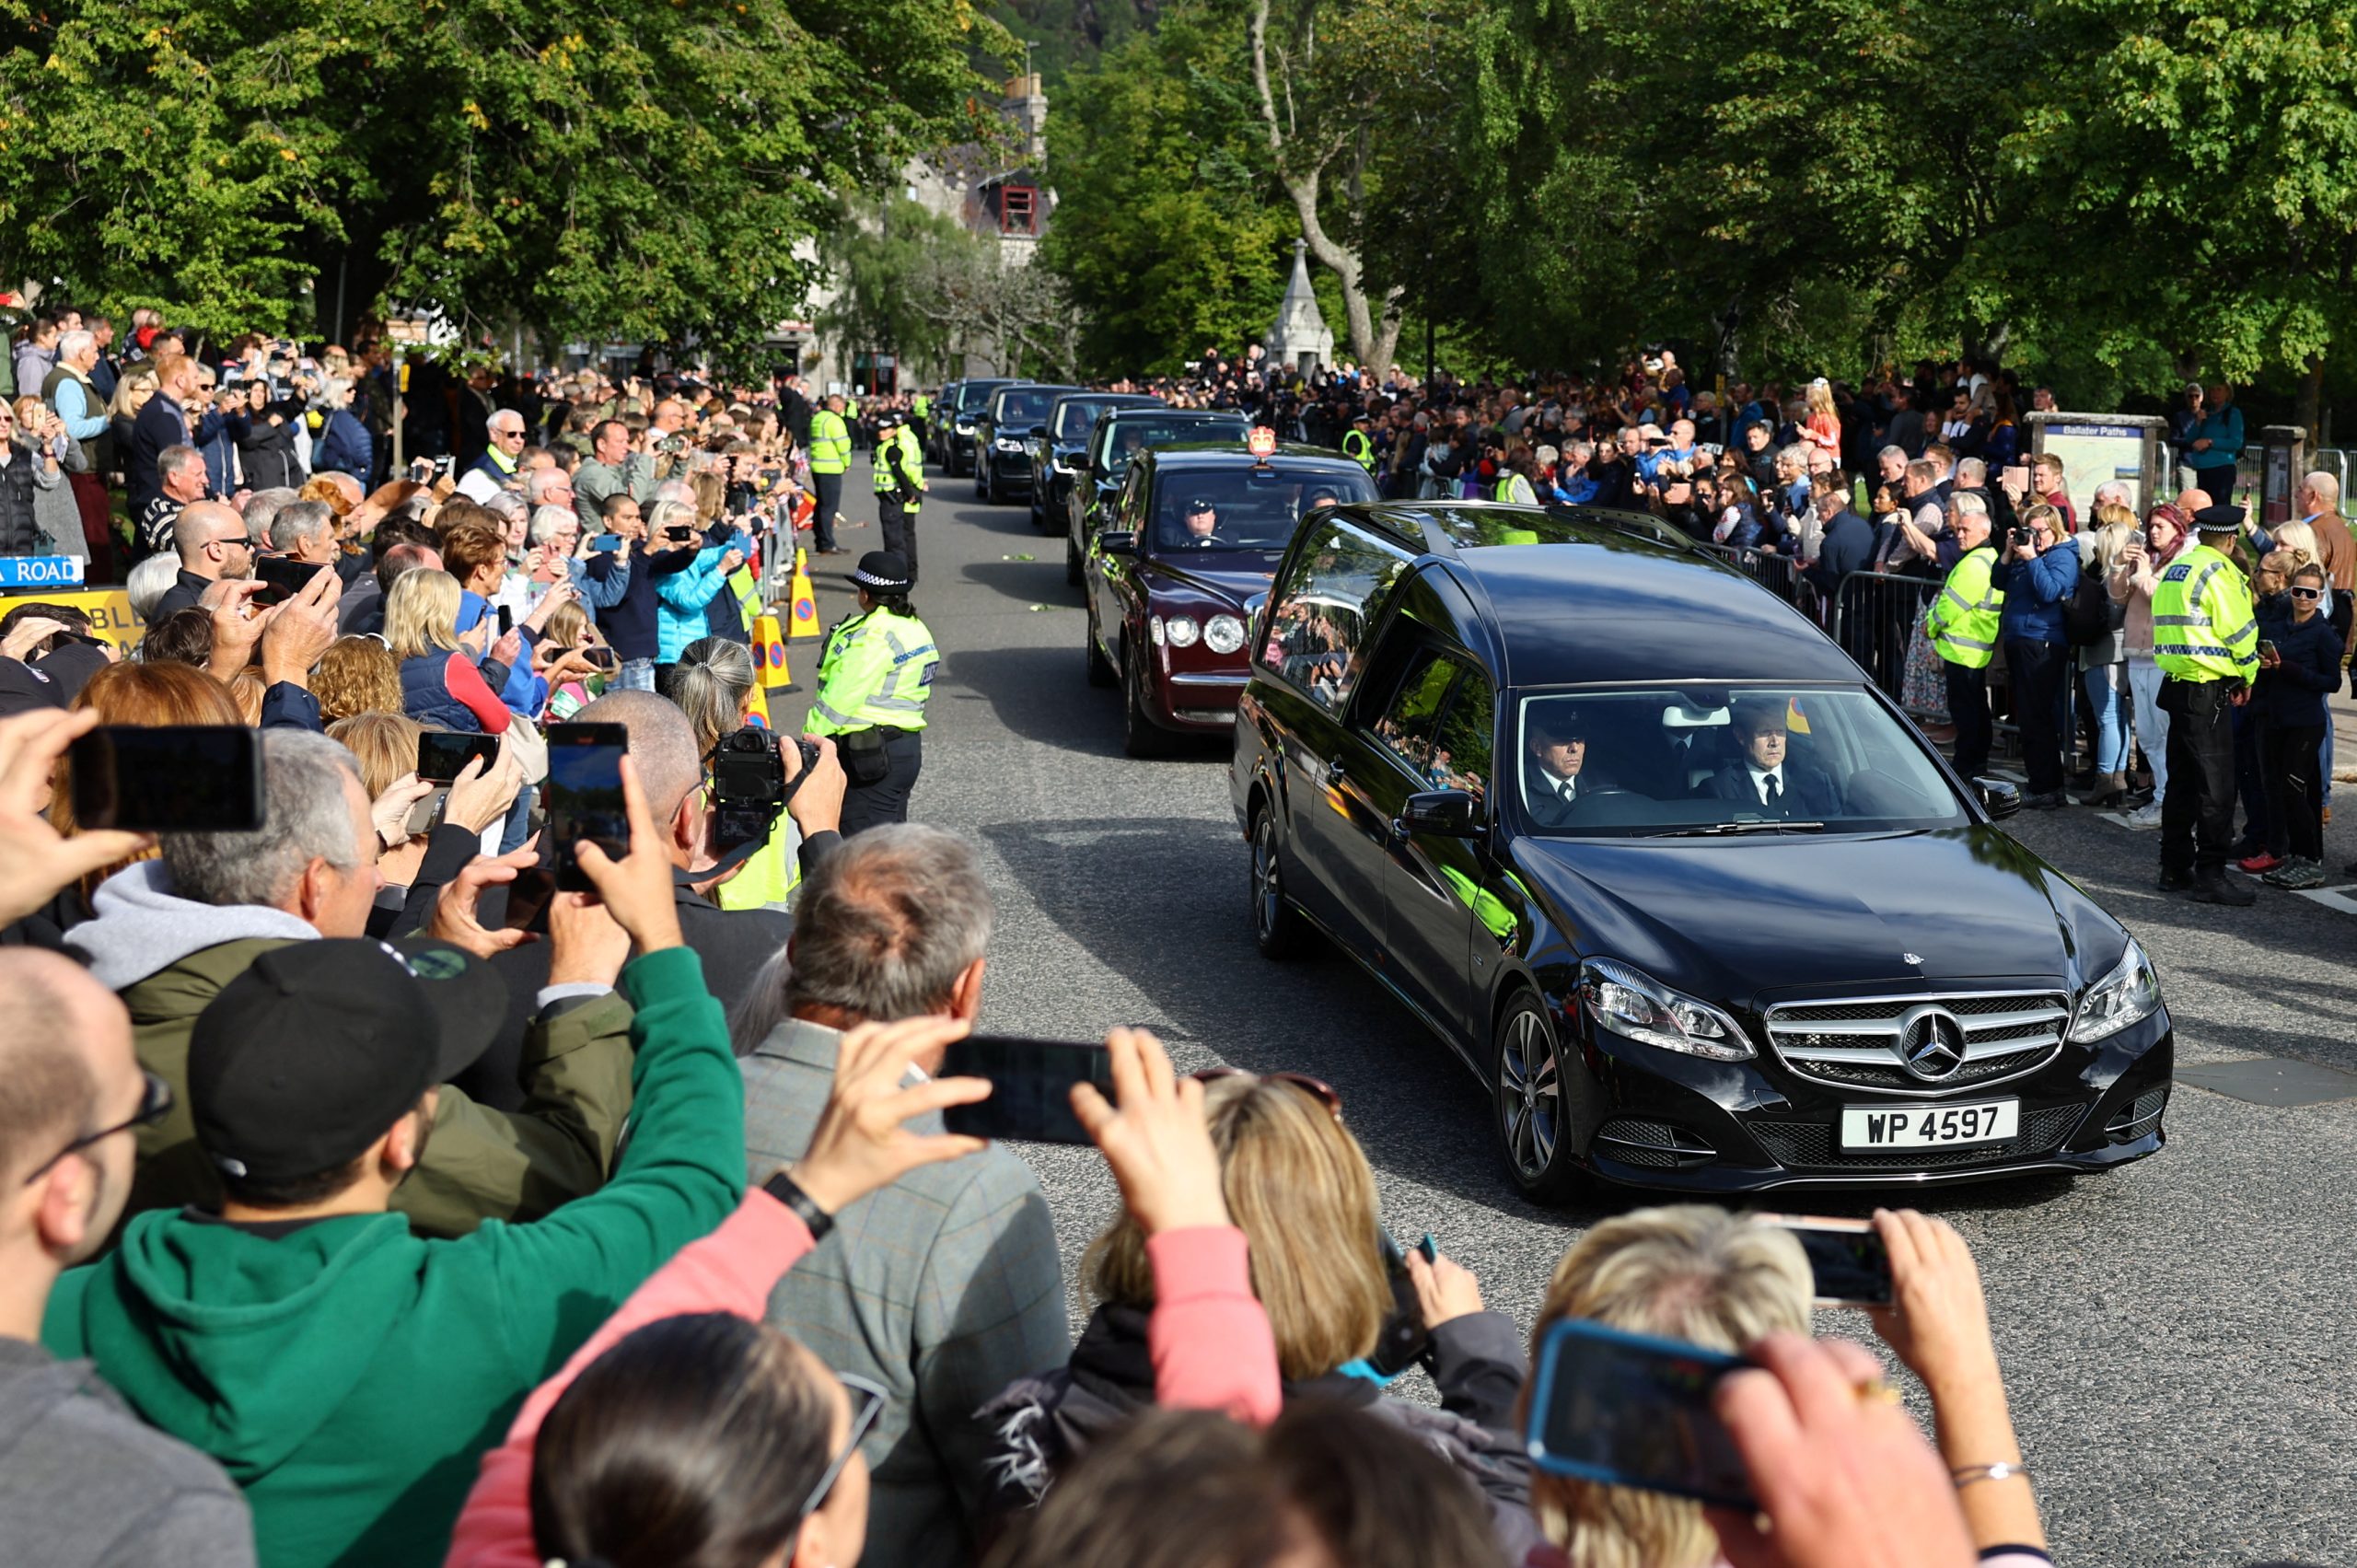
2299	669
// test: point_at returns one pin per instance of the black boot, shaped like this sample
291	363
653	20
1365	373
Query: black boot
2212	886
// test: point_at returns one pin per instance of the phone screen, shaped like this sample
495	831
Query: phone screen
1630	1409
442	756
583	794
527	898
1847	1256
284	578
506	619
168	779
1031	1084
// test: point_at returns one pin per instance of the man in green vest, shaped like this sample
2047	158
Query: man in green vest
900	486
874	673
1356	444
2206	642
830	455
1962	623
921	419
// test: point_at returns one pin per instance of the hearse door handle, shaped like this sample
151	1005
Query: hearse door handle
1336	768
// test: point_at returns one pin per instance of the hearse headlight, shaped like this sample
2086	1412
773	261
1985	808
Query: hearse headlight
1183	631
1223	634
1633	1004
2129	994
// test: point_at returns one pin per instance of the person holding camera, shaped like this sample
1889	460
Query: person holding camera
874	673
2038	573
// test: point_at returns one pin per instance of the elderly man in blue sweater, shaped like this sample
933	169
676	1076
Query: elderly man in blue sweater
2038	573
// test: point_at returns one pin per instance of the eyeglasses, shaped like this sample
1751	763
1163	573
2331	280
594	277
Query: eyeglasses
1316	1089
2308	593
154	1104
245	540
867	1404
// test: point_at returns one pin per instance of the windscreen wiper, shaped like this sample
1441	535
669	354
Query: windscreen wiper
1722	829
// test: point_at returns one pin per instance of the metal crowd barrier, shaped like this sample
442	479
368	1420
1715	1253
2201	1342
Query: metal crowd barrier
1873	617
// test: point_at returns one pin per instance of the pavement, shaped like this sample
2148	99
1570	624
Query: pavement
2178	1336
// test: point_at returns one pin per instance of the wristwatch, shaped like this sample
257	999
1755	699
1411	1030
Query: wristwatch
784	1188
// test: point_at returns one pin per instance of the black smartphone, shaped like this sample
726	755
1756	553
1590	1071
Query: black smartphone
527	898
506	619
282	578
1402	1340
1031	1084
168	778
602	658
442	756
1847	1258
1632	1409
583	796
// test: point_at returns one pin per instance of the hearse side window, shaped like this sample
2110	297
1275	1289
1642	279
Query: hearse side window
1461	746
1407	728
1332	597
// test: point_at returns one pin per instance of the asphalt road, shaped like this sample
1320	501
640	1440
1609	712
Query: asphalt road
2177	1337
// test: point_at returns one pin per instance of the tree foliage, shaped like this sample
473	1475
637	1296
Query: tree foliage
592	172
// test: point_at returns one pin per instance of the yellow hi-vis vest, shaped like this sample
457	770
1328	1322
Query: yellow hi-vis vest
877	669
2202	627
829	442
1358	448
912	458
1963	620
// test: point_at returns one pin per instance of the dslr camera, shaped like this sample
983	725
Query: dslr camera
749	784
2018	536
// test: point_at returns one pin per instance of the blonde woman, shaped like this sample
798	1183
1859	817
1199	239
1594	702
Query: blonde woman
1299	1188
1699	1273
1822	428
713	684
420	865
2103	664
440	682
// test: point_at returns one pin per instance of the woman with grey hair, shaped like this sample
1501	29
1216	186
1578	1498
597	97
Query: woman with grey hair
345	445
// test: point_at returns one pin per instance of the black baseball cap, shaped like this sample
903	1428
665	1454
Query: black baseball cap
305	1059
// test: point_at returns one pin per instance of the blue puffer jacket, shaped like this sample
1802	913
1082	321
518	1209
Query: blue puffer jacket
2036	591
684	596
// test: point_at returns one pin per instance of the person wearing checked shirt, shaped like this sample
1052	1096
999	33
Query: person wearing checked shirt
875	674
2205	639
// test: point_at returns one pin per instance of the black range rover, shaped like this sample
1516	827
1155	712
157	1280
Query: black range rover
1695	901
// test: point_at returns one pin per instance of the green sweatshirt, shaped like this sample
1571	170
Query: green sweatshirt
347	1374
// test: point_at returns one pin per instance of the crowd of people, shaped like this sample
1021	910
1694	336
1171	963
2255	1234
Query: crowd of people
747	1302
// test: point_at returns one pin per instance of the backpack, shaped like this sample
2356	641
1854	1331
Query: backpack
2090	616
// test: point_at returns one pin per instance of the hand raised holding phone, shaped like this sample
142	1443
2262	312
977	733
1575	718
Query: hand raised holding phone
860	1142
636	889
1156	1136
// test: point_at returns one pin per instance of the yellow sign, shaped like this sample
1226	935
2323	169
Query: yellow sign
108	610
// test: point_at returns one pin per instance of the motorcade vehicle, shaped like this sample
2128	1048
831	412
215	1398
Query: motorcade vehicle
1693	900
973	397
1059	448
1002	433
1112	442
1184	560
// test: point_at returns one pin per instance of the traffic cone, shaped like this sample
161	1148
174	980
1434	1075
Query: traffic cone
769	674
804	598
757	707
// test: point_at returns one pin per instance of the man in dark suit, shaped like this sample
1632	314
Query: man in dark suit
1848	544
1555	776
1763	780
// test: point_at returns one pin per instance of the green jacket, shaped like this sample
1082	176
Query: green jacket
348	1374
479	1164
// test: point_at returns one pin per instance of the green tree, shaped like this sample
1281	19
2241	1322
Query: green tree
879	256
1167	229
591	173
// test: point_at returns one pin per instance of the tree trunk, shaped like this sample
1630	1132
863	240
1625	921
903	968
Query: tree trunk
2309	412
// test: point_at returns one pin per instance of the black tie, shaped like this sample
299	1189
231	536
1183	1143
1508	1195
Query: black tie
1775	793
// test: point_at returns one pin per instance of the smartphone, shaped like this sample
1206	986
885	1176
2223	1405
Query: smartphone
1632	1410
604	544
168	778
506	619
1031	1084
527	898
442	756
1403	1340
1846	1257
583	796
602	658
2267	648
282	578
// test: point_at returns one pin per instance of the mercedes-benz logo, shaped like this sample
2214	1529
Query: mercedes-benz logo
1931	1043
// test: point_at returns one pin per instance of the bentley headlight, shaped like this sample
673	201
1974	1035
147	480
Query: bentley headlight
2129	994
1183	631
1223	634
1634	1006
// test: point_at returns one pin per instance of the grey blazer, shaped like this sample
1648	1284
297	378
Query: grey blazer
943	1287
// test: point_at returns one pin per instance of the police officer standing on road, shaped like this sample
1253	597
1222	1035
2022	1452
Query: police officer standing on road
2206	642
900	486
1357	445
1963	627
830	455
874	675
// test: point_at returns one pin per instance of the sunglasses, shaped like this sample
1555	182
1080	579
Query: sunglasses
2308	593
154	1104
867	1404
1316	1089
